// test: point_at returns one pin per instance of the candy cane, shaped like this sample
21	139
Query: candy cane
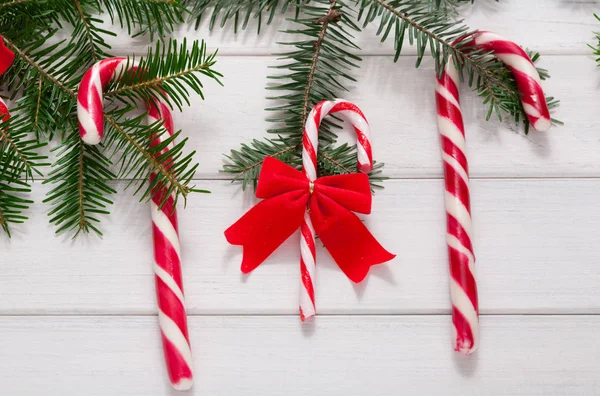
459	236
167	265
310	144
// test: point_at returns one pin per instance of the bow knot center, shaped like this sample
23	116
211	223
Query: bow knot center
311	187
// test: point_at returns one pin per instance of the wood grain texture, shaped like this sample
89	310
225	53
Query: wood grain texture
527	232
276	355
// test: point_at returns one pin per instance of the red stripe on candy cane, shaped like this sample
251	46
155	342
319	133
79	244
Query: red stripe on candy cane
310	144
463	286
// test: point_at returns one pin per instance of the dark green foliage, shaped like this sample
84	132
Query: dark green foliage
43	82
318	67
428	25
239	12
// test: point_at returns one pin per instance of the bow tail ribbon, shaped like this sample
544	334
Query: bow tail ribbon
346	237
287	193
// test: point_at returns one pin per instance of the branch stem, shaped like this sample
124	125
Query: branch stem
465	56
331	16
156	165
156	82
87	29
40	69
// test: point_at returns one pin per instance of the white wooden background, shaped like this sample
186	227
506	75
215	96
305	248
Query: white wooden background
79	317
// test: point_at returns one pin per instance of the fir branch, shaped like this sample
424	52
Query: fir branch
223	11
18	152
333	15
315	70
167	72
21	54
48	85
80	175
12	204
245	164
156	18
437	30
87	29
172	171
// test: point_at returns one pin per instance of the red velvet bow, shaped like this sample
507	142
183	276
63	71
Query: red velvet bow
286	193
6	57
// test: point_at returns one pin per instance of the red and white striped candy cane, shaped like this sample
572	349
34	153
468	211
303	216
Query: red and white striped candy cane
310	143
459	234
167	263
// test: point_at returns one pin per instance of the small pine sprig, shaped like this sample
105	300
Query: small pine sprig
430	25
318	68
596	48
155	18
19	156
81	191
13	203
168	72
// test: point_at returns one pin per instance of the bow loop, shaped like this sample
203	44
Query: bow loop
352	191
277	178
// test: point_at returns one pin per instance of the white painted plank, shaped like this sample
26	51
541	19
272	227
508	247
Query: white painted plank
560	27
340	355
399	102
536	242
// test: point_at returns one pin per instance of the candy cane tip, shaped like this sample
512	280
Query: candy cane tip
91	139
183	384
304	317
465	348
542	124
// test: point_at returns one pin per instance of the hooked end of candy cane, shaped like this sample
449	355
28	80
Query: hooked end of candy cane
183	384
542	124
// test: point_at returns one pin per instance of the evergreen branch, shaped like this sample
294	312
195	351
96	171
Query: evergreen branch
38	68
151	17
245	164
167	72
87	29
430	24
80	175
168	170
236	10
18	154
333	15
316	70
12	204
153	163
